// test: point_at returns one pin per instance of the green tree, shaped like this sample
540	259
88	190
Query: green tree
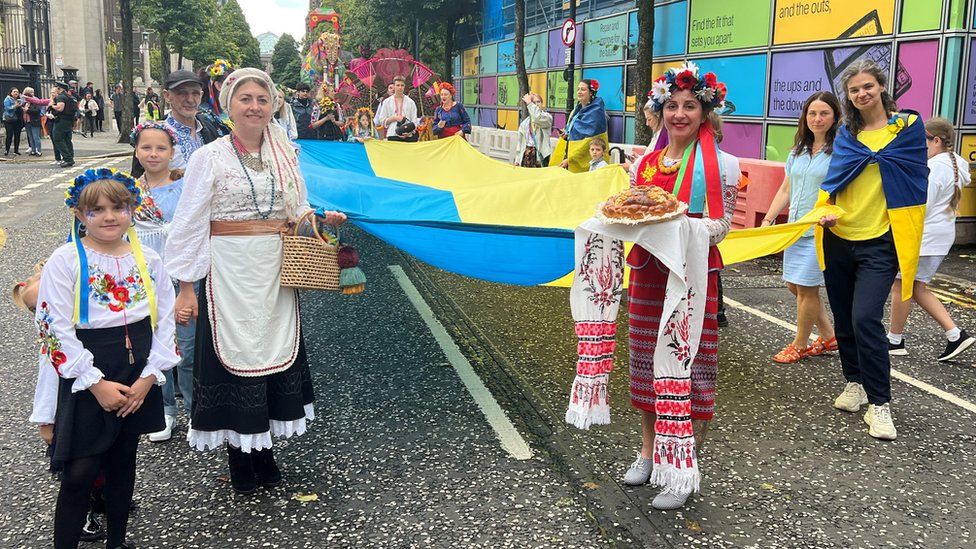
227	36
368	23
176	22
233	25
286	63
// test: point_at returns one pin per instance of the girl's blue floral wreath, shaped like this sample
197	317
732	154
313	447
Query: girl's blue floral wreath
706	88
134	136
92	175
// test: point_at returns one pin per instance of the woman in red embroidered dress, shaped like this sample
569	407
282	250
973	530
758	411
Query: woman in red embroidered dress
709	187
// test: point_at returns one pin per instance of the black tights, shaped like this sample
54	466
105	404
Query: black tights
119	464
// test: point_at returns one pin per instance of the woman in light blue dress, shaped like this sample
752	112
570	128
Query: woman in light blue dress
806	168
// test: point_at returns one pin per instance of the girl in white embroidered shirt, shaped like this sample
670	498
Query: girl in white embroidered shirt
105	318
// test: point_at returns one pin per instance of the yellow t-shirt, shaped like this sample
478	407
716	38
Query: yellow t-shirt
863	199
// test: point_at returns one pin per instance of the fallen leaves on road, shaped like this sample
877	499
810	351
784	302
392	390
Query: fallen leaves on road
693	526
305	498
590	485
769	487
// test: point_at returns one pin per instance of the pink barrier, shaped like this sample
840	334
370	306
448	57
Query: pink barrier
765	178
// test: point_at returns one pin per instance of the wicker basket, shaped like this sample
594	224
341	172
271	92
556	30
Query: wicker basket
309	262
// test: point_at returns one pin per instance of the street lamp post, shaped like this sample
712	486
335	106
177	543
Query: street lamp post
571	66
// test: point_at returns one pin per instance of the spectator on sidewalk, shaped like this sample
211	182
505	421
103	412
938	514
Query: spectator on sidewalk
534	145
13	120
136	102
118	98
89	109
100	117
88	89
948	174
65	108
151	101
33	117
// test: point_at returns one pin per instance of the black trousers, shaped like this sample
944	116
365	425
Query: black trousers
118	120
13	129
858	277
61	136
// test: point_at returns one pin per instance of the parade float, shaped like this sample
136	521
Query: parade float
362	81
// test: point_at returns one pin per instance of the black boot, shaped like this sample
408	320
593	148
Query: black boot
265	468
241	471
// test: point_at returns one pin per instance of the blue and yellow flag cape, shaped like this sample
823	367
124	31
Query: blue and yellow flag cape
448	205
904	178
584	124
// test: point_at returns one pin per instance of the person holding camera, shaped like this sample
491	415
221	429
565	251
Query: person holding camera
398	110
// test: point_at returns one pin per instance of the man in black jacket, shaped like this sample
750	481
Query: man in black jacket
303	107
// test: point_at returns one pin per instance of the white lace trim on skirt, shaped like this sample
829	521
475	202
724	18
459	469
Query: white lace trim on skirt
209	440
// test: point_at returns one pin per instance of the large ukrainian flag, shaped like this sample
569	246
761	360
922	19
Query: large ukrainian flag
448	205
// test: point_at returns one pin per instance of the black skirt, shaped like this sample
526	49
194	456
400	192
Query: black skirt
246	405
81	427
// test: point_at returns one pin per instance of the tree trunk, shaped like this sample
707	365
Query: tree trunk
166	66
643	77
449	51
522	75
125	9
179	60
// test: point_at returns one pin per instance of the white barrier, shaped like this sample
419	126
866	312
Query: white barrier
501	144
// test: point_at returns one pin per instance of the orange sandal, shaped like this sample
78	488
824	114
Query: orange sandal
822	346
790	355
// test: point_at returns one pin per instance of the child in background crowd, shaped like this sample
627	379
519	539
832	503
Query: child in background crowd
24	296
107	329
598	150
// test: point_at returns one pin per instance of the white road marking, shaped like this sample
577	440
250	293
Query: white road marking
6	199
33	185
511	439
20	192
48	179
897	374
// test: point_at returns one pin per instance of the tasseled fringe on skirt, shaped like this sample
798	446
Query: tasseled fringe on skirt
681	481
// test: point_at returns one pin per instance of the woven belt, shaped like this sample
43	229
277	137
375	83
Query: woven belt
257	227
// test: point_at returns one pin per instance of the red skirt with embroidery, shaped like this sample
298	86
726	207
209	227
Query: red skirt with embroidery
646	300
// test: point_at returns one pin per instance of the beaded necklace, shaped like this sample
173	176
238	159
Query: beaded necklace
254	195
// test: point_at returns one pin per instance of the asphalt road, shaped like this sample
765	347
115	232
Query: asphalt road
402	454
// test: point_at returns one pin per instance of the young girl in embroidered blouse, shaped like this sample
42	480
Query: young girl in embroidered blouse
105	318
160	188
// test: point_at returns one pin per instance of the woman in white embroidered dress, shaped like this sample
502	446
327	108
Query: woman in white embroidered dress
251	377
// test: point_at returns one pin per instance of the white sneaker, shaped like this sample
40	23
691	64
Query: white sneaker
879	422
852	398
670	499
165	434
639	472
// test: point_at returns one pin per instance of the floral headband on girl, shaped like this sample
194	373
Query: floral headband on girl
593	84
220	67
80	314
90	175
134	136
707	89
